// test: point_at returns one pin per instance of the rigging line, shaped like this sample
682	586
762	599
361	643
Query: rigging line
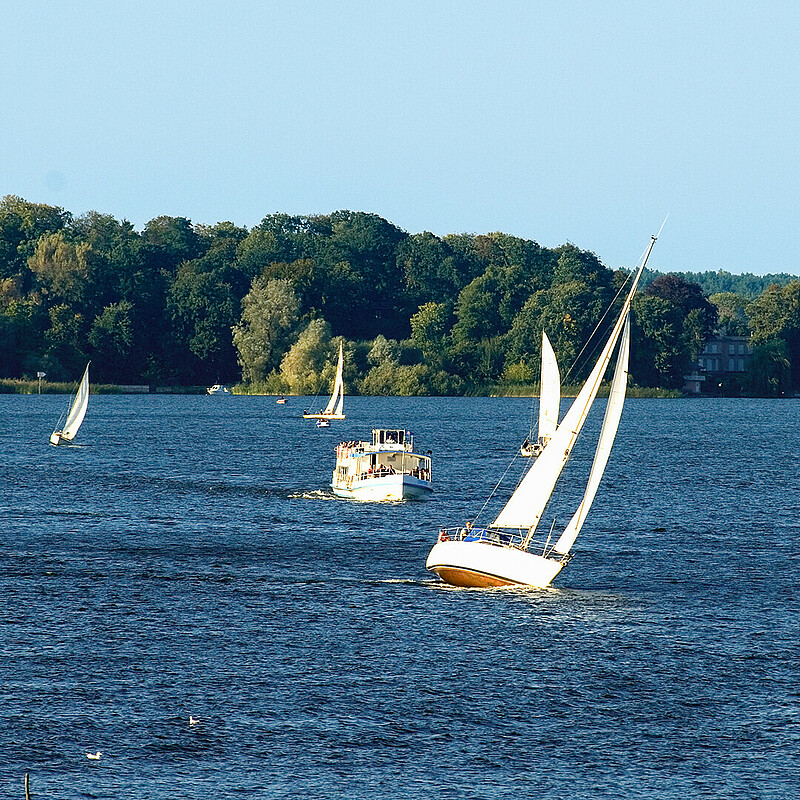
497	486
609	307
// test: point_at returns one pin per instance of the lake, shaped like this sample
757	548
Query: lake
187	557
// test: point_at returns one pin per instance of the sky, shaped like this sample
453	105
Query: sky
563	121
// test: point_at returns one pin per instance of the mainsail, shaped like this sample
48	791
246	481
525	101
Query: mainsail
337	396
526	506
550	391
616	399
78	409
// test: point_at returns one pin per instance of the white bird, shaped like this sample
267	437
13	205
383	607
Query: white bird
193	721
94	756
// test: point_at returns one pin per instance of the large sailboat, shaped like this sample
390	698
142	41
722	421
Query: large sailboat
333	410
75	415
504	553
549	402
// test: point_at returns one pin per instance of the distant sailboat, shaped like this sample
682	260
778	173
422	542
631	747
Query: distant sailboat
500	554
334	408
549	401
76	413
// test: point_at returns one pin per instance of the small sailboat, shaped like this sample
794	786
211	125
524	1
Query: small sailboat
386	468
549	401
504	554
75	415
334	408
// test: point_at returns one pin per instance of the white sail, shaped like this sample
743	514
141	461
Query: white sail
550	392
337	396
526	506
616	399
78	410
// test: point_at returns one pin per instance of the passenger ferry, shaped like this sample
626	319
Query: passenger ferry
387	468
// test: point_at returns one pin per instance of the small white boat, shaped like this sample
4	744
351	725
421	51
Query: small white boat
387	468
217	389
75	415
323	423
504	553
281	401
549	402
333	410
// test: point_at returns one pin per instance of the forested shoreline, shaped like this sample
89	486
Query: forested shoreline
183	304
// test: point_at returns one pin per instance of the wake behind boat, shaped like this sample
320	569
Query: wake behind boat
503	553
387	468
76	413
333	410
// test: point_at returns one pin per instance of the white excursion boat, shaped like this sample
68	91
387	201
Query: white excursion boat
75	415
549	401
504	554
217	389
387	468
334	408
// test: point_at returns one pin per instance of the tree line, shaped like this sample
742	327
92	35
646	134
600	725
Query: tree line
187	304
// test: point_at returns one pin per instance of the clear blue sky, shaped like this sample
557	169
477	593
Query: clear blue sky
556	121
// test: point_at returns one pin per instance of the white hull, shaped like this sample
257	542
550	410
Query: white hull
389	487
56	438
323	416
479	564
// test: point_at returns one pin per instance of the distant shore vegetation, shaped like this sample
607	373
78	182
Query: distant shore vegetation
181	304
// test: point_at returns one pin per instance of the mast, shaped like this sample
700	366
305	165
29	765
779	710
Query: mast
526	505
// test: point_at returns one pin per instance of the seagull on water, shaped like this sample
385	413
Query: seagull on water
94	756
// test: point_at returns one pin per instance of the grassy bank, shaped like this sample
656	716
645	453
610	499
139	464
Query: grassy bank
571	390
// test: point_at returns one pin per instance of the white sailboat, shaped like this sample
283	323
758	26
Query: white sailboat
77	412
333	410
549	401
503	554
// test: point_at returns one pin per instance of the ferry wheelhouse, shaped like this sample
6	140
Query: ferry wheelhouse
387	468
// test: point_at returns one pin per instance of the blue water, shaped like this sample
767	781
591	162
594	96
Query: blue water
188	559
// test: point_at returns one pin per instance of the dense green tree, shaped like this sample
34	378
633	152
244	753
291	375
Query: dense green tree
169	241
111	337
21	225
731	313
270	313
776	315
769	372
60	267
303	365
65	355
203	310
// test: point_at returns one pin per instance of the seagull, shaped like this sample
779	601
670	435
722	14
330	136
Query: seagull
193	721
94	756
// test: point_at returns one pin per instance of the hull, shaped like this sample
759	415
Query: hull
323	416
481	565
391	487
57	438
